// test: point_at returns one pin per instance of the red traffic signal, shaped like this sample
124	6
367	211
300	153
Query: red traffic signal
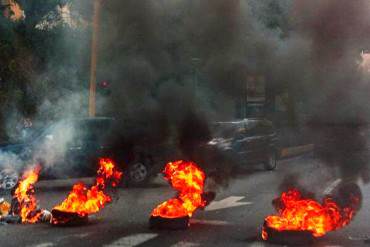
104	84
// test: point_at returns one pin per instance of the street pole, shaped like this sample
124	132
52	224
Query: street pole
94	58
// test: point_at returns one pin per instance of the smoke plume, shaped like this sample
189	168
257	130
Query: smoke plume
177	66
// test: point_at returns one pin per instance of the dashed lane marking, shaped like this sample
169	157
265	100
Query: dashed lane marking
132	240
43	245
210	222
185	244
229	202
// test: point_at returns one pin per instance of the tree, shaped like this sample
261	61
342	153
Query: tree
37	64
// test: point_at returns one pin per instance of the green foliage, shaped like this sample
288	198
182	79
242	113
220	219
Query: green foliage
34	62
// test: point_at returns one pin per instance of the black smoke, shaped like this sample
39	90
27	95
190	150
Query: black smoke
183	63
339	108
176	66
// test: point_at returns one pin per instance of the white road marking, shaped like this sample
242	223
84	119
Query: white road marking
132	240
81	235
332	186
359	238
256	244
43	245
229	202
210	222
185	244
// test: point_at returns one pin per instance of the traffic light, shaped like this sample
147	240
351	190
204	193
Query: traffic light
104	88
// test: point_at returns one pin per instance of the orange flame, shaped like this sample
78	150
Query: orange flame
299	214
188	179
84	201
14	11
24	194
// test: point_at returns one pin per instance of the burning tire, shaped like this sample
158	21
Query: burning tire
188	179
60	218
138	172
301	219
83	201
8	179
271	163
290	238
157	222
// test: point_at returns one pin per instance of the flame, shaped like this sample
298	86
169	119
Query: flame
24	194
84	201
365	63
188	179
14	11
299	214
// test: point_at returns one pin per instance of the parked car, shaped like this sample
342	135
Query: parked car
71	148
247	141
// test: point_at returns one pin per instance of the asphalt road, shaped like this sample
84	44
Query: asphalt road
246	201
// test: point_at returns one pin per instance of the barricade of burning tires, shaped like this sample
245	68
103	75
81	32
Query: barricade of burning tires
186	177
300	220
81	202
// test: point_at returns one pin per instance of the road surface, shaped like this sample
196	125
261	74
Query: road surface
234	219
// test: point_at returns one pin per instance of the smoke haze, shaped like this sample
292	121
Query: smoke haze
177	66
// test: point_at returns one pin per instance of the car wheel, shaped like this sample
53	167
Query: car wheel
138	172
8	179
271	163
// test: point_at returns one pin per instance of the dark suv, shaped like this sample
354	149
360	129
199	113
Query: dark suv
71	148
247	141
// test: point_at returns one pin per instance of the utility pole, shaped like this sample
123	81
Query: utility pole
94	58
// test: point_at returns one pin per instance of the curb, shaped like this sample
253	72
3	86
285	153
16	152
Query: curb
295	151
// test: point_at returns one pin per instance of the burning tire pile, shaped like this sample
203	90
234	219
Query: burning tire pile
299	220
83	201
74	210
24	208
188	179
302	220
